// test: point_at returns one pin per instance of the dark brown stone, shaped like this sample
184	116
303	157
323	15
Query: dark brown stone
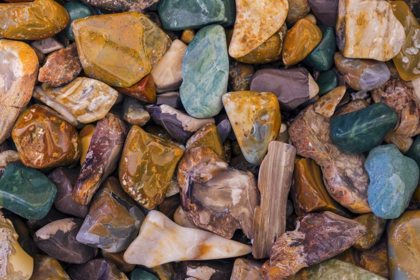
97	269
326	11
209	270
375	259
53	215
240	76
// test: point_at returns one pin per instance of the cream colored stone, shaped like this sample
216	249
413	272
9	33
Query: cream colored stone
180	217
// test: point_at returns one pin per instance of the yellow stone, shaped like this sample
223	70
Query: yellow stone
207	136
327	104
47	268
85	136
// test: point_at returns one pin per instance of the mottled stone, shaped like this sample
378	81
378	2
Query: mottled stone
53	215
205	73
322	57
19	66
165	242
144	90
375	259
327	81
58	240
210	270
255	119
327	104
47	268
134	112
375	227
326	11
414	7
47	46
36	20
147	166
108	6
393	179
102	157
7	157
362	130
61	67
402	142
76	10
207	136
97	269
244	269
240	76
118	259
297	10
368	29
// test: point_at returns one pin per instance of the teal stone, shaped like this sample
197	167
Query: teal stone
140	274
205	72
327	81
76	10
360	131
393	179
414	151
322	57
26	192
194	14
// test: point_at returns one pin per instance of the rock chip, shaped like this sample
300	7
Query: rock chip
134	112
327	104
47	46
207	136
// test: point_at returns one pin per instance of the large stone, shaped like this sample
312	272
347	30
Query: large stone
96	269
211	270
375	227
322	57
327	81
47	268
244	269
205	73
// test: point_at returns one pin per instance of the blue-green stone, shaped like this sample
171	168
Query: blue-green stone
205	72
140	274
26	192
393	179
360	131
322	57
76	10
327	81
414	151
194	14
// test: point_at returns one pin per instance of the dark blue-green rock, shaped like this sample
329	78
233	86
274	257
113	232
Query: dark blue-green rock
322	57
76	10
414	151
26	192
393	179
205	72
360	131
327	81
141	274
194	14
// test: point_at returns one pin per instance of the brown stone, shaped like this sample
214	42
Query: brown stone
375	259
327	104
245	269
375	227
297	10
402	142
118	259
352	106
47	268
144	90
240	76
207	136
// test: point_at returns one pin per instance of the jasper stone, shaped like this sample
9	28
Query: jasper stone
19	66
190	14
211	270
85	137
375	259
361	131
393	179
144	90
76	10
244	269
240	76
327	81
147	166
205	73
42	19
58	240
375	226
97	269
134	112
327	104
322	57
141	274
207	136
326	11
47	268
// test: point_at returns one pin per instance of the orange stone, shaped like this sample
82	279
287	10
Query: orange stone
144	90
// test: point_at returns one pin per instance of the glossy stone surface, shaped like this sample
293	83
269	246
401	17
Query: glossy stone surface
96	269
255	119
75	10
256	21
46	46
393	179
181	218
244	269
375	227
85	137
205	73
147	166
327	81
414	7
297	10
19	66
300	41
240	76
58	240
211	270
144	90
61	67
47	268
42	19
190	14
207	136
327	104
322	57
141	274
361	74
102	157
403	244
362	130
326	11
368	29
158	235
134	112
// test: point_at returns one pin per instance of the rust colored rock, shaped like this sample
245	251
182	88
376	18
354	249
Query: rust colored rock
207	136
240	76
375	228
144	90
375	259
352	106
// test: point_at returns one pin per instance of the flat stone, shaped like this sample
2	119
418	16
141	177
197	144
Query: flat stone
327	104
76	10
156	238
327	81
375	259
121	6
141	274
134	112
375	227
212	270
118	259
48	268
393	179
322	57
205	73
96	269
244	269
326	11
240	76
144	90
47	46
85	137
297	10
207	136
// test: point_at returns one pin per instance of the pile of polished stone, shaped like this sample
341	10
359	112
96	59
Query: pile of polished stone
209	140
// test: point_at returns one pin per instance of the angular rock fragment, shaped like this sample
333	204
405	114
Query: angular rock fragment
47	268
181	218
134	112
96	269
327	104
211	270
207	136
52	216
144	90
375	226
85	137
245	269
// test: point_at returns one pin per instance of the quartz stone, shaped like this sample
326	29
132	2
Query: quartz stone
256	21
102	157
245	269
85	137
361	74
76	10
403	143
211	270
58	240
393	179
344	175
181	218
215	197
113	221
147	166
47	268
144	90
19	66
255	119
179	125
297	10
190	14
134	112
47	46
36	20
44	140
368	29
167	72
375	227
141	274
118	259
207	136
64	179
362	130
300	41
187	36
205	73
274	181
322	57
240	76
292	87
327	104
96	269
15	264
108	6
156	239
375	259
119	49
403	244
61	67
326	11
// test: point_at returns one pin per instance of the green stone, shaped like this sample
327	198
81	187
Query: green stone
26	192
194	14
322	57
140	274
414	151
76	10
362	130
205	73
327	81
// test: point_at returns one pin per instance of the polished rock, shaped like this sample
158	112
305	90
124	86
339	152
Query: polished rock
327	104
118	259
76	10
240	76
207	136
244	269
108	6
47	268
327	81
47	46
402	142
211	270
326	11
134	112
144	90
297	10
375	227
322	57
85	135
